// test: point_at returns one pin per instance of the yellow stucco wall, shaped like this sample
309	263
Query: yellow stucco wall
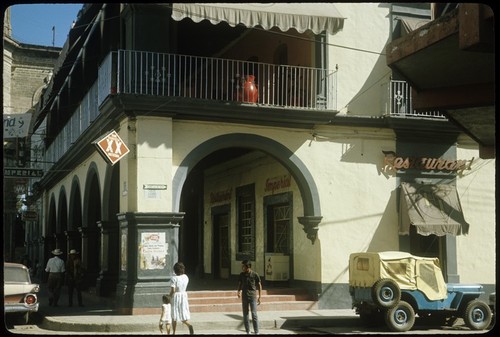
476	188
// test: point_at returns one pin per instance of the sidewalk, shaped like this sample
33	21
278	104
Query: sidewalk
98	316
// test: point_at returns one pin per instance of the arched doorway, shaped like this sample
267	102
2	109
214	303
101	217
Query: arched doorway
91	241
188	194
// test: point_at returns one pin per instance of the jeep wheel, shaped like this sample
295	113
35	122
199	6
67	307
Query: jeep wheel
477	315
386	293
400	318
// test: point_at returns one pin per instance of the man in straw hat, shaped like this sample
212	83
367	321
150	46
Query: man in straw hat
55	268
74	277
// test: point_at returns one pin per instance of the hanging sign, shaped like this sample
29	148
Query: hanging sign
112	147
16	125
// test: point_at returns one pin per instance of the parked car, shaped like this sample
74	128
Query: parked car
493	305
19	293
398	286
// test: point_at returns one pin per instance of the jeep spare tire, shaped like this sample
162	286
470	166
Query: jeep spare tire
386	293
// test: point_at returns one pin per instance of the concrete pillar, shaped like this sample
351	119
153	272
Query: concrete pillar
108	276
148	251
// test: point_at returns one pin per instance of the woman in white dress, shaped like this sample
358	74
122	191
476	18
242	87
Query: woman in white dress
180	304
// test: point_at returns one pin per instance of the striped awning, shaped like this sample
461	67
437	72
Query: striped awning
317	17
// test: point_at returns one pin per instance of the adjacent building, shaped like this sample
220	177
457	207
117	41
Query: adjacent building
212	133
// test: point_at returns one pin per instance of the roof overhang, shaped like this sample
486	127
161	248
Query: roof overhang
317	17
450	64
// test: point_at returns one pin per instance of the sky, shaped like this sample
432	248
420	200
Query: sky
32	23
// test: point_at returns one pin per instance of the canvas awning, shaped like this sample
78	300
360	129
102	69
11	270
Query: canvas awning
317	17
432	209
408	25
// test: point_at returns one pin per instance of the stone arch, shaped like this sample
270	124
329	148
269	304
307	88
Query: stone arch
51	226
91	183
52	217
62	211
75	205
92	214
287	158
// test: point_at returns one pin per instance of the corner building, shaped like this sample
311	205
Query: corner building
316	155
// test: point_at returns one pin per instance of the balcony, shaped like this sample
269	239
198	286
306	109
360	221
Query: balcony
216	79
400	103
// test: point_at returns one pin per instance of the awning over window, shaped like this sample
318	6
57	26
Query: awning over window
432	209
317	17
408	25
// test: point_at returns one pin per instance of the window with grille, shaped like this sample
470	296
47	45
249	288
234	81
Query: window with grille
246	222
281	225
278	218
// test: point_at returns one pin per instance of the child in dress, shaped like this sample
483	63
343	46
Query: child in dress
166	314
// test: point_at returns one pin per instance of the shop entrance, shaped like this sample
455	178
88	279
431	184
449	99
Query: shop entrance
278	243
221	253
428	246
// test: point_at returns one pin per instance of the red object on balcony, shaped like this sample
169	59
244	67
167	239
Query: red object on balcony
249	92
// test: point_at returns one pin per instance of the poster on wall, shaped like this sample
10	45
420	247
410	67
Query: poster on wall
153	251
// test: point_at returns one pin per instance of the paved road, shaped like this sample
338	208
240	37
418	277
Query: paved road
457	329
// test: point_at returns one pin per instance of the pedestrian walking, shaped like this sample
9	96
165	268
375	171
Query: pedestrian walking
248	286
74	277
166	314
55	267
180	303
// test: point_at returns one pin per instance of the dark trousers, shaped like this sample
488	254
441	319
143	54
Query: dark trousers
72	286
250	303
54	284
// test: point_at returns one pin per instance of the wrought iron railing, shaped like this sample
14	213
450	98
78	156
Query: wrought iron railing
159	74
400	103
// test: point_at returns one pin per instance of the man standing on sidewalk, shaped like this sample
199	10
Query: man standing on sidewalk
249	283
55	268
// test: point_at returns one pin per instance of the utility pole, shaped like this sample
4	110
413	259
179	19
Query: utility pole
53	36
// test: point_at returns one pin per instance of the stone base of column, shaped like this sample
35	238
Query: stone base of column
106	285
140	298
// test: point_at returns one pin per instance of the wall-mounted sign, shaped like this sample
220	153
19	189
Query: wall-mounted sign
393	162
278	183
220	196
16	125
30	216
14	172
112	147
154	187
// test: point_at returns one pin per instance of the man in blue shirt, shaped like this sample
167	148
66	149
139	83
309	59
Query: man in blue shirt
249	284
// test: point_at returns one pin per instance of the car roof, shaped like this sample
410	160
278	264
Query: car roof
395	255
12	264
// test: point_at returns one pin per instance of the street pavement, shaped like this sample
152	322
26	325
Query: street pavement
99	316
